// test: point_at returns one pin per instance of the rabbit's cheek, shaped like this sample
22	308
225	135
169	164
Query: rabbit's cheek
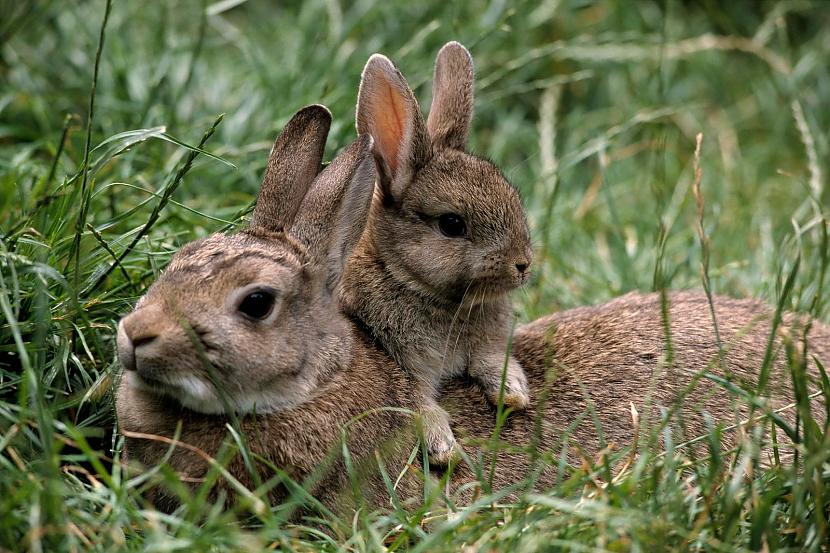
489	268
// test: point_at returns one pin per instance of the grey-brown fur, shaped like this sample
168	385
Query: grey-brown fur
295	159
299	440
190	355
259	365
336	381
451	112
438	304
607	355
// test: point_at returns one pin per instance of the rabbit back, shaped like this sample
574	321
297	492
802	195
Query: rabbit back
594	363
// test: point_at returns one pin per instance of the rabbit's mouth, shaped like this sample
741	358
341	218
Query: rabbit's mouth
495	286
485	290
190	391
146	383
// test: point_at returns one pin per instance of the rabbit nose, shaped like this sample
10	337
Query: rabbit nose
126	349
524	261
143	340
137	330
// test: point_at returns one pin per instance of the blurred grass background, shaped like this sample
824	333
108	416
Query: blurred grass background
590	107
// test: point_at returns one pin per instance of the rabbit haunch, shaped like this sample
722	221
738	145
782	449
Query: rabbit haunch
446	242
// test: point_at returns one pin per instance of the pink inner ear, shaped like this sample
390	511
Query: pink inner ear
389	124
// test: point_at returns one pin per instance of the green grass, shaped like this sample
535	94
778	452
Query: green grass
591	108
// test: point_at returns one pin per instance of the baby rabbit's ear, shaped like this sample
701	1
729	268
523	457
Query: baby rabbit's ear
388	111
334	212
292	165
452	97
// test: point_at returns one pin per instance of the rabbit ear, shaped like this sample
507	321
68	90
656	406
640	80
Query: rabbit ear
452	97
292	165
334	212
388	111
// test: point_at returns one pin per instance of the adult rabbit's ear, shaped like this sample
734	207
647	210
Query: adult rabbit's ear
452	98
333	214
292	165
387	110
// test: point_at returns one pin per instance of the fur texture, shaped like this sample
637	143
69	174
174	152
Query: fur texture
327	384
605	356
277	360
436	301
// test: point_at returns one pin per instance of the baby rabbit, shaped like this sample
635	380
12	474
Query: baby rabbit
446	241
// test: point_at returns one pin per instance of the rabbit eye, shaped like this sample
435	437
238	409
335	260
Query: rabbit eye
257	305
452	225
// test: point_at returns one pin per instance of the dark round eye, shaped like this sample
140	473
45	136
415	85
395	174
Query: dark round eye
257	305
452	225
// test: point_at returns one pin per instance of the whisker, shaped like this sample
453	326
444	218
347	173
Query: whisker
481	305
452	323
466	321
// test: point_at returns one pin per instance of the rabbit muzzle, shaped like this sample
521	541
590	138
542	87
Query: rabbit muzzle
500	274
159	358
126	348
148	343
522	265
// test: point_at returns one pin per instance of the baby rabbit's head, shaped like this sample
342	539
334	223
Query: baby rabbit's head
445	221
248	321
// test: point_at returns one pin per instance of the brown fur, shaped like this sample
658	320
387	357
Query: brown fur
293	159
606	355
258	365
438	304
452	97
324	377
299	440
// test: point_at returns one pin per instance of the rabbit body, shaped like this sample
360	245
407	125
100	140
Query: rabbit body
446	242
248	324
299	441
605	357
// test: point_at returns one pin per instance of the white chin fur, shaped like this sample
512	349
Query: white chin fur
197	395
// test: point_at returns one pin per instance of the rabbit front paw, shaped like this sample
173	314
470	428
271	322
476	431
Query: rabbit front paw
438	436
516	393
